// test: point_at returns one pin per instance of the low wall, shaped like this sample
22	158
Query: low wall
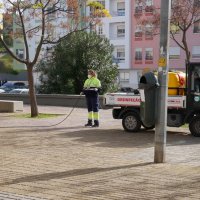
51	99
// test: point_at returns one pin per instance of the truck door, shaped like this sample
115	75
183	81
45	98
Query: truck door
193	87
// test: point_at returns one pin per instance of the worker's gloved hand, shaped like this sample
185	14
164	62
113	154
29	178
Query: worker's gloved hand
81	93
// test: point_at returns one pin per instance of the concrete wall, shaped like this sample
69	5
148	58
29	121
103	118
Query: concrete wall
51	99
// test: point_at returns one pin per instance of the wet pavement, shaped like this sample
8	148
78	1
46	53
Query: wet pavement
42	160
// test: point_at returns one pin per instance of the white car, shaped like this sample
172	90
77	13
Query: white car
19	91
2	91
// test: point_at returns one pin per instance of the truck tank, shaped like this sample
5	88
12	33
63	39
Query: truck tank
176	83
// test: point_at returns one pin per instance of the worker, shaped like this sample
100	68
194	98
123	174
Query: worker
91	90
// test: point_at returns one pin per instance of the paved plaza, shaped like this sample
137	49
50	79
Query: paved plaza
41	160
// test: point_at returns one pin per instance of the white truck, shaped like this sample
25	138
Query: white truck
126	106
182	109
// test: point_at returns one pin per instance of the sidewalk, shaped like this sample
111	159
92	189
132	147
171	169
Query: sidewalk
71	162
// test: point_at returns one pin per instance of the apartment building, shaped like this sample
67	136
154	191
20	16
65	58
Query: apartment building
118	30
136	45
145	43
18	45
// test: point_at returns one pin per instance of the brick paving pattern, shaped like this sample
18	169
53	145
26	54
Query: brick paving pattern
69	161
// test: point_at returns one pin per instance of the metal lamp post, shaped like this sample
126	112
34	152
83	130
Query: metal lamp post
161	121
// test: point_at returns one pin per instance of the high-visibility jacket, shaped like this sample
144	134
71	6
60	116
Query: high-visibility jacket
91	86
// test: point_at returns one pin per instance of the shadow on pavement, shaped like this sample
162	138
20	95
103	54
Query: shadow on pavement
71	173
112	138
119	138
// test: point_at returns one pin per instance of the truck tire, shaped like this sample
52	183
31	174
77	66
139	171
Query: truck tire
148	127
194	126
131	122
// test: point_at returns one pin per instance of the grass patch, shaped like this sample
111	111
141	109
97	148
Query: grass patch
40	116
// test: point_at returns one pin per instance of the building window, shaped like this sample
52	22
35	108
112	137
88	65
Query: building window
149	6
20	53
138	55
92	10
102	3
121	8
149	55
121	31
18	32
196	3
148	31
196	52
196	27
138	32
138	7
124	76
121	54
174	52
100	30
18	41
51	13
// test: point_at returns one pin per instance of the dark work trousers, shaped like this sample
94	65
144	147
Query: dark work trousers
92	103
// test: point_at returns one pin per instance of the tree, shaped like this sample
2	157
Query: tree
53	15
67	70
185	14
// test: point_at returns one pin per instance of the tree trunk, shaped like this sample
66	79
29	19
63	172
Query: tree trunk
187	52
32	96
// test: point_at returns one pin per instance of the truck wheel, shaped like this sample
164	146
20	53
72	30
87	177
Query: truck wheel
131	122
148	127
194	126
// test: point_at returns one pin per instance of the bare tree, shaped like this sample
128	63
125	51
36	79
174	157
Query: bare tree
57	19
185	14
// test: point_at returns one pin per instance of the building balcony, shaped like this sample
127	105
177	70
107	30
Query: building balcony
148	35
118	60
148	9
121	13
138	35
119	36
174	56
138	10
138	60
118	13
121	59
148	61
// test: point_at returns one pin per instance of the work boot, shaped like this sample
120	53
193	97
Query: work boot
89	124
96	123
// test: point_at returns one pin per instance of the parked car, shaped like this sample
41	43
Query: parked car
19	91
8	86
2	91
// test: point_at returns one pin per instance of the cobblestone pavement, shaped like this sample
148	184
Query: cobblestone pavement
68	161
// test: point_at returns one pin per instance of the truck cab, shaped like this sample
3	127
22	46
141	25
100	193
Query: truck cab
193	98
